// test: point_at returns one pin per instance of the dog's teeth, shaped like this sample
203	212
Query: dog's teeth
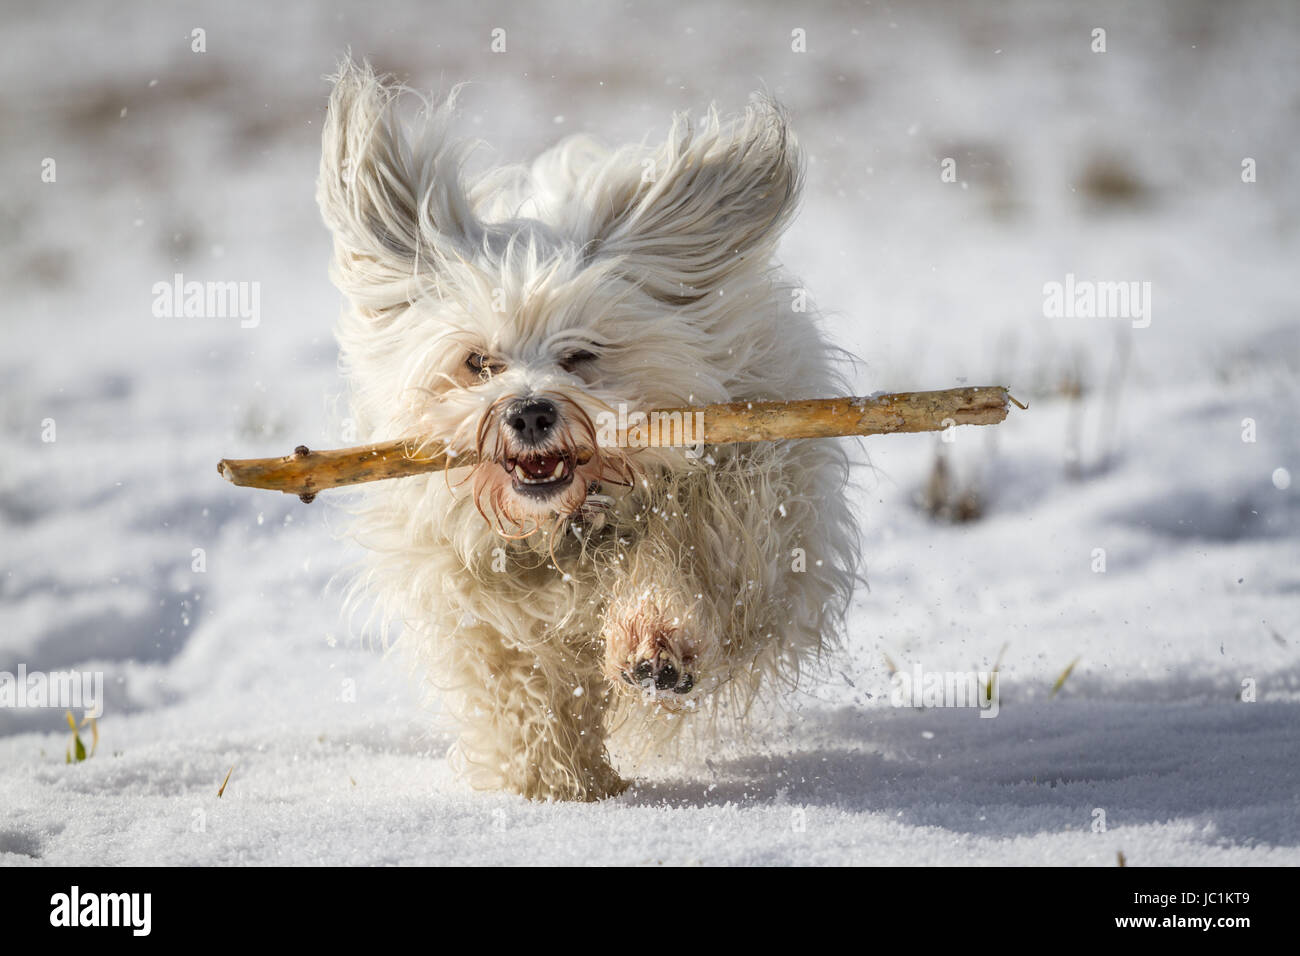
559	469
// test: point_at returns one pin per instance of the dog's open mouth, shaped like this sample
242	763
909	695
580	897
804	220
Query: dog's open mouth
540	475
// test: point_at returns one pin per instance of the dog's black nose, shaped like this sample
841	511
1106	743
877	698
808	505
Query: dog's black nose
531	419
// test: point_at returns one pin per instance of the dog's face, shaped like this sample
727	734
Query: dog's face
512	315
523	384
538	444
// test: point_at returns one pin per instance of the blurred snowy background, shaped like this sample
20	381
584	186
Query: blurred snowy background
1125	165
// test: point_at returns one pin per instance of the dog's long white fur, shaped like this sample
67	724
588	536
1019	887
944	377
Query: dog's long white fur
659	261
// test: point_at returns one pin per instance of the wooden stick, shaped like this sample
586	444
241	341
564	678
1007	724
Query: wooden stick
305	472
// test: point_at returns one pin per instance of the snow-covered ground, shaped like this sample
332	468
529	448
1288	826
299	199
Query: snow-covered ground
1123	165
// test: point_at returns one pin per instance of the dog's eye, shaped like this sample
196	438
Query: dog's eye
573	359
483	366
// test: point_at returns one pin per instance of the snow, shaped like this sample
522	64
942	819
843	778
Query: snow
172	161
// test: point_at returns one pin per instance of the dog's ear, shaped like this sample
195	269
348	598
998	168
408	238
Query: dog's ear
713	200
394	201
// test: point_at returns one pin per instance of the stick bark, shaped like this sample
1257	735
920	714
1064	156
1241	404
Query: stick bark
305	472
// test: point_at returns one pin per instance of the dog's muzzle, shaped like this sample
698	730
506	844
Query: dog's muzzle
538	459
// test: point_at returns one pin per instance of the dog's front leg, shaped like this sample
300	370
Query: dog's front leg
664	640
531	722
728	570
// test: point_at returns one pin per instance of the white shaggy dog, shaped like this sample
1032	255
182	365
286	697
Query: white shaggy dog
571	600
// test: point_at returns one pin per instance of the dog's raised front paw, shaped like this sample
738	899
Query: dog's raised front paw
650	652
660	674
